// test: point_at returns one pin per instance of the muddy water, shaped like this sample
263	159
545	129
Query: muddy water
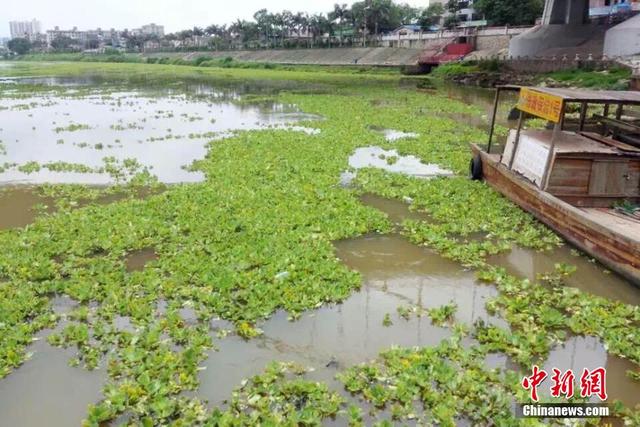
590	276
19	204
396	273
45	390
136	261
578	353
396	211
17	207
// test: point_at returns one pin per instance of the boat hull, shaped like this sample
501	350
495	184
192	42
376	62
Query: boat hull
617	251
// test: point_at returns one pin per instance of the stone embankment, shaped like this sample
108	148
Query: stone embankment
374	56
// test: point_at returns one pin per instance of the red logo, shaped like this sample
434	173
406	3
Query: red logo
562	383
532	382
592	383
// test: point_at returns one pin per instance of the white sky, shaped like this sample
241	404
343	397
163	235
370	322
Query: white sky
173	14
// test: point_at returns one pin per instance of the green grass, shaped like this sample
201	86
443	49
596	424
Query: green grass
616	78
201	61
612	79
454	69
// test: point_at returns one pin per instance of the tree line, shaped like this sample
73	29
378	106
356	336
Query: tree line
360	22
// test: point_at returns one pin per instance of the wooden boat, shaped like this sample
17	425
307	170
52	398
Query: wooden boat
571	181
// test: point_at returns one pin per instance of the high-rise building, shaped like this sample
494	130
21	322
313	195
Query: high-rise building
152	30
25	29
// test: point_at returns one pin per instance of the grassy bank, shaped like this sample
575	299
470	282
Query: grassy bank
200	61
616	78
256	237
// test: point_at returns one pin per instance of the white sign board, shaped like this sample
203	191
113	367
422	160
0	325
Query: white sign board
531	159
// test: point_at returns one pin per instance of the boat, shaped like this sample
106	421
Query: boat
580	175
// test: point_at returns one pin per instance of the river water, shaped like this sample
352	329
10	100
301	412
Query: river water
131	123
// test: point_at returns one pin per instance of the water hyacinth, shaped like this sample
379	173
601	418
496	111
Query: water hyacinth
256	237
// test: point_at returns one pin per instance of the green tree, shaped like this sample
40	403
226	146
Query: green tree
431	16
376	16
62	43
19	45
318	25
406	14
340	14
265	25
509	12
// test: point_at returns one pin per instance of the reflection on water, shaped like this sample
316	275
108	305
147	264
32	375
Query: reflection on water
164	130
393	135
391	161
590	276
578	353
395	273
46	391
484	99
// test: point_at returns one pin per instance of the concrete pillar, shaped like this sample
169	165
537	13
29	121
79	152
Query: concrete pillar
569	12
563	25
577	12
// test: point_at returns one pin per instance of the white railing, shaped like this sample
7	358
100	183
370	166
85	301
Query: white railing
463	32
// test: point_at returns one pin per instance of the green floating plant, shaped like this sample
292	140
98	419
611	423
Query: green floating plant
257	237
280	396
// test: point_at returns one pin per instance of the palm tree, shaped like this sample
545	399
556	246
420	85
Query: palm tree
340	13
245	31
300	22
318	25
380	12
264	21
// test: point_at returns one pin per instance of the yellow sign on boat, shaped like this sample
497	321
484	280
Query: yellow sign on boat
543	105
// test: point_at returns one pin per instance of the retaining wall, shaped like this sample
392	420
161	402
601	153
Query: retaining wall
381	56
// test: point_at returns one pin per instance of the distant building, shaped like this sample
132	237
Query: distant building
99	38
599	8
88	39
57	33
151	30
467	15
25	29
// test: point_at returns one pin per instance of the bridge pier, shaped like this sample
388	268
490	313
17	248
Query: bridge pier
567	12
565	23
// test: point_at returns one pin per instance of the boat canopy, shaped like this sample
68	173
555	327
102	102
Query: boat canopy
550	104
589	96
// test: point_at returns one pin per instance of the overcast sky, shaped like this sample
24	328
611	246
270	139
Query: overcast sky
173	14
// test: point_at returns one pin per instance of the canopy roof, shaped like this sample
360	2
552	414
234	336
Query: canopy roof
583	95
